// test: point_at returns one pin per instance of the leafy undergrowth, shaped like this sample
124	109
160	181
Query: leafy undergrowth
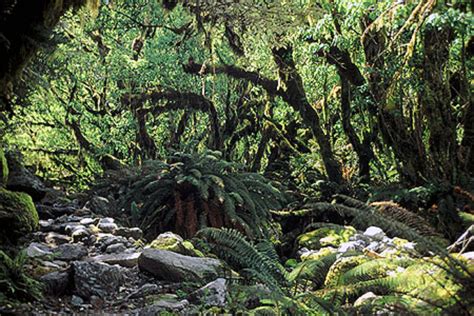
406	274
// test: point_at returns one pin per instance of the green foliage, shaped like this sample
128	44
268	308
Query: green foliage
192	191
15	284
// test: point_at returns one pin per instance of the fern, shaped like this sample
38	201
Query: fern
217	193
232	246
15	284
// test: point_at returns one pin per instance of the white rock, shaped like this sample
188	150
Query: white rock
106	220
87	221
351	246
367	297
374	233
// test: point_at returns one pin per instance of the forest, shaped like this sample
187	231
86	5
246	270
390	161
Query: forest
237	157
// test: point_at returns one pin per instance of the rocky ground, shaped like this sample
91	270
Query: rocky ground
89	264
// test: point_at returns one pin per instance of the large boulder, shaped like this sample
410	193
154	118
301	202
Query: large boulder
18	214
170	266
3	169
23	180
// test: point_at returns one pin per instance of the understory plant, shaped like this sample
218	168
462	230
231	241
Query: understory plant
15	283
427	280
188	192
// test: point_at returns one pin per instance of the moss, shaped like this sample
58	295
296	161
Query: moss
173	242
321	253
326	236
18	214
3	169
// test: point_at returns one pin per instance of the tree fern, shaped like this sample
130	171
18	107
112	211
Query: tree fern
217	193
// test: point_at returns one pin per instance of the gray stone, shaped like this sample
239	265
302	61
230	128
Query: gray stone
161	306
56	239
76	300
108	227
21	179
107	220
351	246
115	248
87	221
71	227
170	266
80	235
373	246
56	283
105	240
127	260
99	279
135	232
212	294
37	250
375	233
70	252
145	290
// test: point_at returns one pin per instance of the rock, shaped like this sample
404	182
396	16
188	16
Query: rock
115	248
170	266
106	220
374	232
318	254
108	227
18	215
172	242
76	301
135	232
99	205
469	256
105	240
145	290
3	168
212	294
161	306
56	239
326	236
99	279
80	234
70	252
127	260
72	227
374	246
351	246
364	299
87	221
38	250
56	283
23	180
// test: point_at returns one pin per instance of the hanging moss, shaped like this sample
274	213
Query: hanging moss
3	169
18	215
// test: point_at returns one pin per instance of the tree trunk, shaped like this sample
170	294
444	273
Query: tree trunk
295	96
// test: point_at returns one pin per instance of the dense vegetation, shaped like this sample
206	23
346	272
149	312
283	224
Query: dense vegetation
254	129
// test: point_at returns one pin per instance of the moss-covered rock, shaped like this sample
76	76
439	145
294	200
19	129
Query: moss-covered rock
3	169
18	214
172	242
326	236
